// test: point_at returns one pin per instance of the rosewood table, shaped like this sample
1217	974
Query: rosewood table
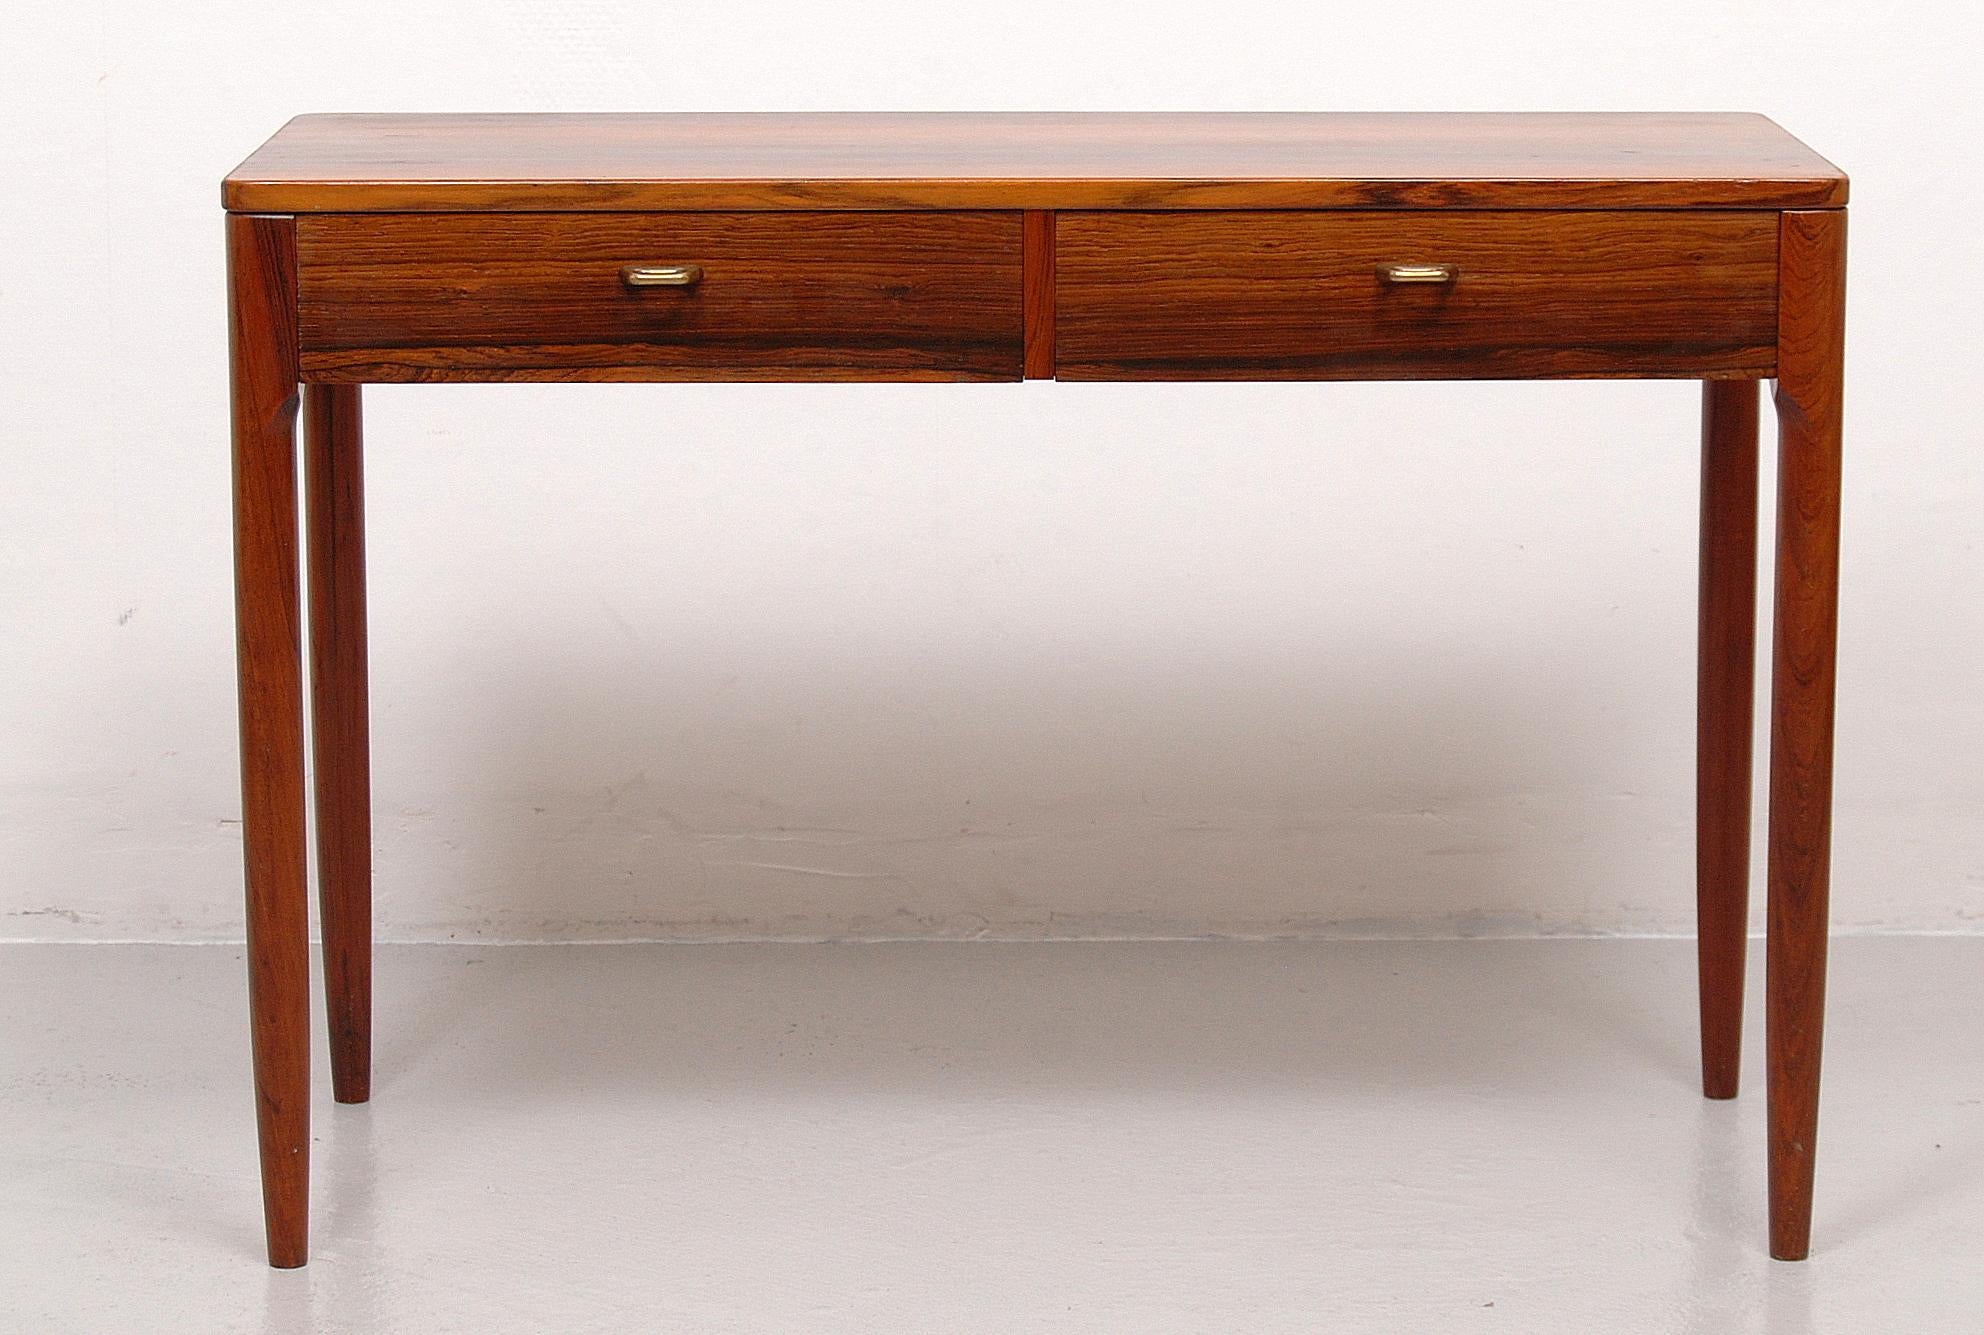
369	248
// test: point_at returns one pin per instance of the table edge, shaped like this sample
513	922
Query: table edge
252	195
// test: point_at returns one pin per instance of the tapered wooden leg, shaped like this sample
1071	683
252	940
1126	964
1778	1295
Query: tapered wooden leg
1810	366
1725	686
261	254
334	500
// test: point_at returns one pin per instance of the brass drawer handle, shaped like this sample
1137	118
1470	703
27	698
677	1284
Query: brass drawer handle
662	275
1418	273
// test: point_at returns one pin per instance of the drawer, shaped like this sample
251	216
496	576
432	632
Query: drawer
769	296
1306	296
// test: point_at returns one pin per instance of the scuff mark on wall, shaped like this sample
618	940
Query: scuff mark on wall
832	873
74	916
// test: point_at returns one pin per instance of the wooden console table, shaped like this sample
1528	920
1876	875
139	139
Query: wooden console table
996	247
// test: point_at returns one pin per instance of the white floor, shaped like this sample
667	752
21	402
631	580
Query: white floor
1412	1137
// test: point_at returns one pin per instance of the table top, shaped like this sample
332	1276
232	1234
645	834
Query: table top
1030	160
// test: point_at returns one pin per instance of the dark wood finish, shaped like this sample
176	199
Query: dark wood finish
334	510
1298	296
261	264
791	296
1275	160
1811	368
1725	694
990	247
1037	270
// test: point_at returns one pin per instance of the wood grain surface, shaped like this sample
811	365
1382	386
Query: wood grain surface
987	247
1811	371
1037	274
784	296
340	732
1298	296
261	262
673	161
1725	704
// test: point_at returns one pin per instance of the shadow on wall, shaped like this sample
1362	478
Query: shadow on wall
734	788
1039	666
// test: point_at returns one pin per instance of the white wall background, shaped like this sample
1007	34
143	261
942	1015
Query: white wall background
1042	660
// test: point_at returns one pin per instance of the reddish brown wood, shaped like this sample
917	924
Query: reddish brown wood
1037	275
1811	363
1725	693
1053	160
334	493
1298	296
788	296
261	266
490	248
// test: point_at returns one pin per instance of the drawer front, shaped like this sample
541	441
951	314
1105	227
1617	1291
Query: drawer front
1304	296
776	296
